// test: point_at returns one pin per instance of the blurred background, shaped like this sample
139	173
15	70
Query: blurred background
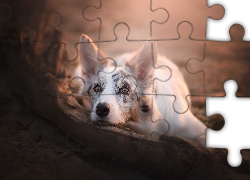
177	21
138	15
180	34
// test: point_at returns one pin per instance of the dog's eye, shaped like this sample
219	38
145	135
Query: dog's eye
97	88
124	90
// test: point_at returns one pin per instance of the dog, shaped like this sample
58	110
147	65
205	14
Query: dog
125	91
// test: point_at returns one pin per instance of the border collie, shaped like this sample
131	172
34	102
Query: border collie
129	90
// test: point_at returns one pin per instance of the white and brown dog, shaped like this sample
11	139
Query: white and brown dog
126	92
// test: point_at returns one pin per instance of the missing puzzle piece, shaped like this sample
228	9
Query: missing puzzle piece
235	12
236	113
222	61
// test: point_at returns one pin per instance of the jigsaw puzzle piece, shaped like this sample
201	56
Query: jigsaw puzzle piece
6	12
115	62
236	12
193	11
119	75
222	61
144	18
68	19
142	65
40	24
114	48
19	18
179	51
135	49
160	117
54	24
55	18
43	59
34	78
235	111
151	122
21	22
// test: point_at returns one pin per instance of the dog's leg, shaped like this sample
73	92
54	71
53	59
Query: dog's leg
189	126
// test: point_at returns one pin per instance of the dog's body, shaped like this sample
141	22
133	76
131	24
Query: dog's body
127	92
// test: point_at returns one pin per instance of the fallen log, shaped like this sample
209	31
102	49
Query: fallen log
52	97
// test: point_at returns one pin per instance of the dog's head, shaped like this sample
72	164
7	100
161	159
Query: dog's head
118	94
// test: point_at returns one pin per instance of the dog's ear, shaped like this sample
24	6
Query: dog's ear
142	64
91	59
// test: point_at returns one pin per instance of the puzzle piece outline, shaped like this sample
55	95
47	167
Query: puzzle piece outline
175	97
98	18
224	24
213	103
156	78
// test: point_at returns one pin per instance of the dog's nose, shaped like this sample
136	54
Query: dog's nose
102	109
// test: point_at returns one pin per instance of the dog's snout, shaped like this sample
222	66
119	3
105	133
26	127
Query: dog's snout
102	109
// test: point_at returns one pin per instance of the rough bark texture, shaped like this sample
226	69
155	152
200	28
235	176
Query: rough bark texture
50	97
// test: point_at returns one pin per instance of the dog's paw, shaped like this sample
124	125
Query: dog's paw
139	128
147	127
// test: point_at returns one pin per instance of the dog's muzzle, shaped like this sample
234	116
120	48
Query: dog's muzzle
102	109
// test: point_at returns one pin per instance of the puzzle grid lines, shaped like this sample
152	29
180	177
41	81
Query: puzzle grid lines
186	37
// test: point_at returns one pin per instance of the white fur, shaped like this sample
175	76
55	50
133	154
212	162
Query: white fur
186	124
107	96
164	119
